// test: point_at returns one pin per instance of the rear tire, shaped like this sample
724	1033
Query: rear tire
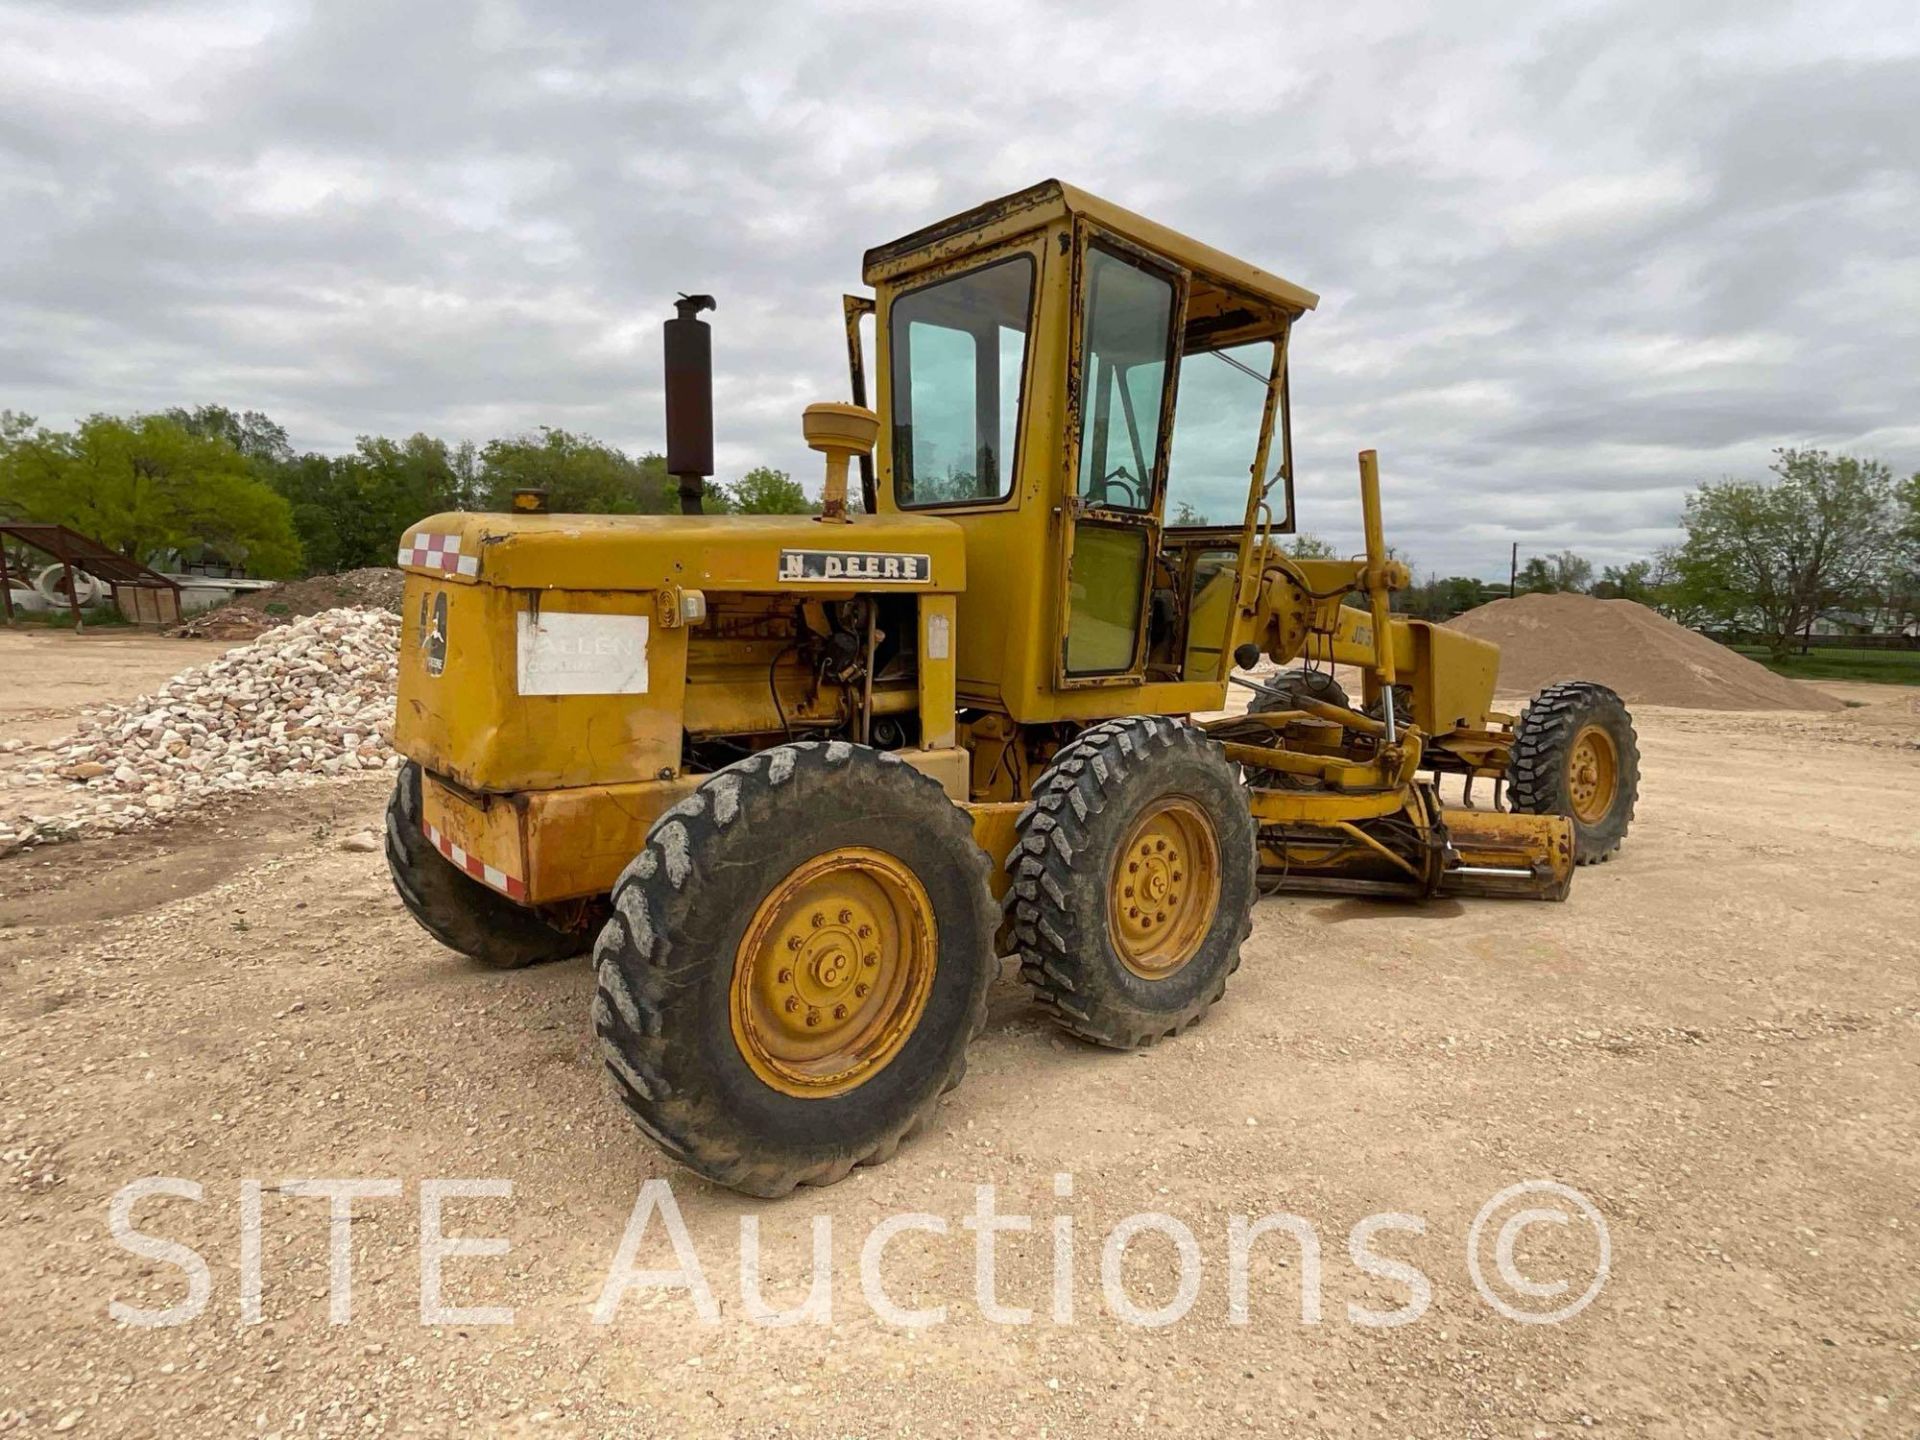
1575	754
454	908
703	1049
1106	802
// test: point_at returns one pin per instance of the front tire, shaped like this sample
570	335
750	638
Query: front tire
1133	881
795	964
1575	754
454	908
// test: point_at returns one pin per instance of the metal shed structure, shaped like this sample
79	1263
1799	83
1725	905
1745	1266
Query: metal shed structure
143	594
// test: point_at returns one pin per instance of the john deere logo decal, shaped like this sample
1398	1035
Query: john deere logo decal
433	632
865	566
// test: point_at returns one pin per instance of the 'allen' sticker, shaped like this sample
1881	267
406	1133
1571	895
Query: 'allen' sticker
938	637
564	654
867	567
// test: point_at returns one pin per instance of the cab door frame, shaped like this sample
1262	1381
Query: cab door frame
1073	509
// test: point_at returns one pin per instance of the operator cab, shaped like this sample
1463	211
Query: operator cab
1100	403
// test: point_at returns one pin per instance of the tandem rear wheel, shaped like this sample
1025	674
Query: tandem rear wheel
453	907
1575	754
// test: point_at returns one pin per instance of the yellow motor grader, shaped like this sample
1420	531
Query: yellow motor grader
806	778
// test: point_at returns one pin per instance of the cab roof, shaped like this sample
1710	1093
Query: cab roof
1051	200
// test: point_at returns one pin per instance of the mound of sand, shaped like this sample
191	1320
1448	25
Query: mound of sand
1642	655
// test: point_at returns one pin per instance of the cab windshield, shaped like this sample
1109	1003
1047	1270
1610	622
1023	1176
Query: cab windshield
958	356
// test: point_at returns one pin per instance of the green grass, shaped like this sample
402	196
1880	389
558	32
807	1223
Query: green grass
1879	667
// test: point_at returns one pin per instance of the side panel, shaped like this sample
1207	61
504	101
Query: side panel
939	637
572	843
1454	678
461	713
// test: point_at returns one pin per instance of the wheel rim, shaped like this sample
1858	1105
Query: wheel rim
1593	775
1165	888
833	973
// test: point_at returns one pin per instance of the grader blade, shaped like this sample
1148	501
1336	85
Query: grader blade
1496	854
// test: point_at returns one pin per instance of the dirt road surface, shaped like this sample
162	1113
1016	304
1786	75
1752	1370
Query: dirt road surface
1715	1041
55	673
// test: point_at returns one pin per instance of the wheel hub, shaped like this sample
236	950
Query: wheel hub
1592	775
833	972
1165	888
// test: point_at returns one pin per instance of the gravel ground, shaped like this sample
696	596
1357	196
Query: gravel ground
1716	1041
310	701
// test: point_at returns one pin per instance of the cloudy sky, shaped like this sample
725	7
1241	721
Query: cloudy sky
1574	258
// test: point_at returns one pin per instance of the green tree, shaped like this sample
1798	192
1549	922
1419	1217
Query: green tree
1625	582
580	475
329	514
1552	574
151	489
385	487
1903	582
1773	555
1674	594
766	491
1305	546
250	432
1442	599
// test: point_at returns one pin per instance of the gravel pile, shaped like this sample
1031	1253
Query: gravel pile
308	701
262	610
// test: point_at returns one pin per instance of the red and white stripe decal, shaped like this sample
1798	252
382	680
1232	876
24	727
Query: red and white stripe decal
427	551
511	886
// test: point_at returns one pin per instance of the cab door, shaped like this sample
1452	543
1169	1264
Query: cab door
1125	343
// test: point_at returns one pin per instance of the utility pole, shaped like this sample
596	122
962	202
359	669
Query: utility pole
1513	572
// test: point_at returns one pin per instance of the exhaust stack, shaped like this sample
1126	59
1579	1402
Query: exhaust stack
689	389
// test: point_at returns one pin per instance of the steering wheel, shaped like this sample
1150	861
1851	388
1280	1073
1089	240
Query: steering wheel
1123	478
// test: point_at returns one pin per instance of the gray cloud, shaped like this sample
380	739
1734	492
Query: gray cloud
1574	259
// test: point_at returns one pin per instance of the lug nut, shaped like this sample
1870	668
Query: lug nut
846	916
861	990
839	1012
865	932
792	1004
870	959
818	919
793	942
786	976
813	1017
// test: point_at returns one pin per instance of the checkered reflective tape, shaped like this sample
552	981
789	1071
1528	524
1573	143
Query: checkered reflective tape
438	552
512	886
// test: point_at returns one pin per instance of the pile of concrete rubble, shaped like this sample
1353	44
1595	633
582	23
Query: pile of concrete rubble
305	702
